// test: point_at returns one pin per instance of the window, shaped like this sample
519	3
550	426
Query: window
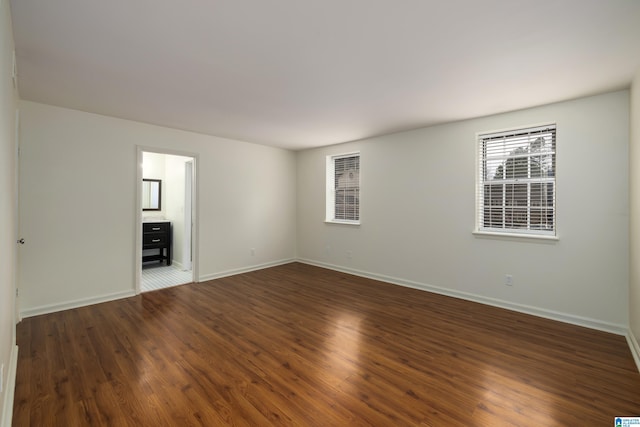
517	181
343	188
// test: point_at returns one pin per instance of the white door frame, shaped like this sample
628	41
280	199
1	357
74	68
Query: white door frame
188	217
16	199
138	213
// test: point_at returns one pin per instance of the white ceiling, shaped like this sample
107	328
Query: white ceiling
306	73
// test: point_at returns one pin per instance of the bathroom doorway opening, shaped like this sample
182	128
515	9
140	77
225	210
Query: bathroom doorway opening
166	220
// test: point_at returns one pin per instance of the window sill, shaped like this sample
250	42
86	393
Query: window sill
514	236
334	221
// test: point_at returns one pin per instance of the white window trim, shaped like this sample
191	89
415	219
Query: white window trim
514	236
330	190
509	234
342	222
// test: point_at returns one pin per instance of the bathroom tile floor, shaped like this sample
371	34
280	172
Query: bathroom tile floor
162	276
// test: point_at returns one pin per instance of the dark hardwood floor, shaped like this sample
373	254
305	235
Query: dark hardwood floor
303	346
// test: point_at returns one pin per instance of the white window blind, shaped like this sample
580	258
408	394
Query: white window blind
517	181
343	188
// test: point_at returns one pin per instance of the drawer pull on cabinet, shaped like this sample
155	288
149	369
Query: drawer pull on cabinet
155	228
155	240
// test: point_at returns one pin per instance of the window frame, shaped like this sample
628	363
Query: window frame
541	181
330	201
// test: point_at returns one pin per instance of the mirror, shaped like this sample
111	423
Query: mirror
151	194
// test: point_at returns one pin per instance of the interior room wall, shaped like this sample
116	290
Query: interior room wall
78	204
418	215
175	179
634	182
8	247
153	167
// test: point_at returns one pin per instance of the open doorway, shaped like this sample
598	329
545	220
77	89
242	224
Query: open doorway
165	254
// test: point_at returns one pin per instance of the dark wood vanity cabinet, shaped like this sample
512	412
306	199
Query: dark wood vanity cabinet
157	235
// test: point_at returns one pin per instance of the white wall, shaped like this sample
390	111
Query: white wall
634	181
175	181
78	204
8	105
418	214
154	168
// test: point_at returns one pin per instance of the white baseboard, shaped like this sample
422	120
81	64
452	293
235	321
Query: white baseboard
634	347
9	389
521	308
52	308
248	269
536	311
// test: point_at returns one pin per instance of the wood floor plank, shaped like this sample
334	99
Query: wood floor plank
300	345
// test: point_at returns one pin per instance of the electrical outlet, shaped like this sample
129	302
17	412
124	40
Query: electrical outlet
349	254
508	280
253	251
